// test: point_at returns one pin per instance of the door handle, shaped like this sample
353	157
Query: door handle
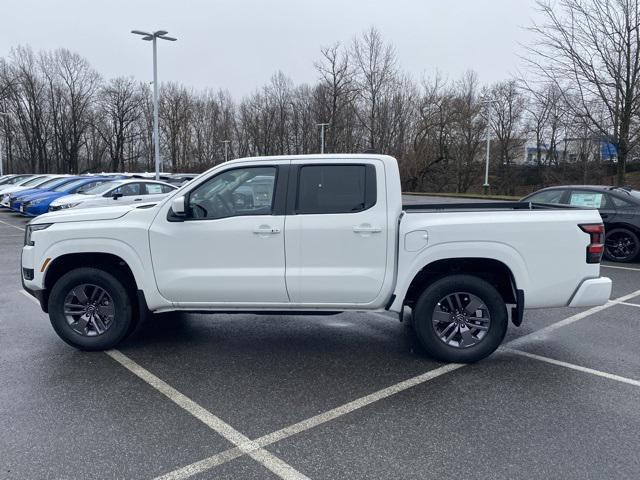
137	199
366	228
266	230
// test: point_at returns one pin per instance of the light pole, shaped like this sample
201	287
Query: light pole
322	125
2	114
485	185
153	37
226	150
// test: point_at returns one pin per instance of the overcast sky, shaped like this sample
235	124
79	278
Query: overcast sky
238	44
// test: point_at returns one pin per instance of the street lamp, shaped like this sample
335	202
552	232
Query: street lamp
226	150
322	125
485	186
2	114
153	37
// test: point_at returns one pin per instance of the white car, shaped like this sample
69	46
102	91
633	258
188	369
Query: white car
117	192
21	181
34	182
313	234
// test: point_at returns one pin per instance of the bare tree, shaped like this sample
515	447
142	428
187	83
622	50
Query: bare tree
376	70
591	50
119	103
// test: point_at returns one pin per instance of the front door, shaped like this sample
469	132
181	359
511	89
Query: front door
336	233
230	247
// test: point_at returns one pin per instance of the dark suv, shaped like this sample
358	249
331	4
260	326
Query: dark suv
619	208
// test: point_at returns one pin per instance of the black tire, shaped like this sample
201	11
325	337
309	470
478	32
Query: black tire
621	245
426	329
122	322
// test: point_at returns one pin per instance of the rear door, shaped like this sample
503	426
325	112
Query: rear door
336	232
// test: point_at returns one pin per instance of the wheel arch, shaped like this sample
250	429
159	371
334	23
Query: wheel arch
491	270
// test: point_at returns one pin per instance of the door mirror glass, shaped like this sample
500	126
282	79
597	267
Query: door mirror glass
116	195
177	206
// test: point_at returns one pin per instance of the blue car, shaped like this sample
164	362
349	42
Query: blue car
38	203
15	199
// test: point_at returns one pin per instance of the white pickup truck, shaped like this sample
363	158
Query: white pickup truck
313	234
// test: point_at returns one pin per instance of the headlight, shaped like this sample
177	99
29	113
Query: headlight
36	202
33	228
68	205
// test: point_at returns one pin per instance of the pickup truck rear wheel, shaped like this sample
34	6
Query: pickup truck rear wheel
90	309
460	319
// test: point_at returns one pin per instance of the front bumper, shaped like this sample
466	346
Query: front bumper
28	284
592	292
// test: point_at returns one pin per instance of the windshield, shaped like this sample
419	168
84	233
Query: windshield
32	182
45	182
103	187
69	186
57	182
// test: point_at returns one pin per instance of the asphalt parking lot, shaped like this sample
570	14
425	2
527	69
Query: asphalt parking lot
347	396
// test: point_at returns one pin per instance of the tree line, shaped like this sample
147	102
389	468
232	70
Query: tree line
580	91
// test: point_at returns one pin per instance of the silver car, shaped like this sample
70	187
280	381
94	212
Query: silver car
117	192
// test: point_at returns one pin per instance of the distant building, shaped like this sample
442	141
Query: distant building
569	150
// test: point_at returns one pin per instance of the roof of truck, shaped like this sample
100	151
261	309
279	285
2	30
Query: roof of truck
319	157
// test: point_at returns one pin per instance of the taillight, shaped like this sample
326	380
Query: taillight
596	244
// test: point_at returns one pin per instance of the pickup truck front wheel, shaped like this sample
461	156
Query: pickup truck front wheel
90	309
460	319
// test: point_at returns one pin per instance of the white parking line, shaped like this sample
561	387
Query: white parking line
543	333
10	225
629	304
283	433
621	268
244	444
255	448
573	366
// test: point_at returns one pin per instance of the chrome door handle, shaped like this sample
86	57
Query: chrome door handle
266	230
366	229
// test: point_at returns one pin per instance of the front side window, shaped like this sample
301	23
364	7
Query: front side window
128	190
242	191
548	196
335	189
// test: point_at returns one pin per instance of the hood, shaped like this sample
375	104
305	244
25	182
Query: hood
83	215
72	198
38	195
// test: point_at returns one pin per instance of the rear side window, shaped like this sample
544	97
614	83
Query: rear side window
335	189
587	199
622	204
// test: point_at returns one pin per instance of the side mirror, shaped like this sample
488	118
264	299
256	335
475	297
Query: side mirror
116	196
178	206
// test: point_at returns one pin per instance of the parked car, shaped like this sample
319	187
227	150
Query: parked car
11	180
38	203
119	192
26	181
31	185
330	235
619	208
14	200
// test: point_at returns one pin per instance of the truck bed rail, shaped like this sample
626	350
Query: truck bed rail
497	205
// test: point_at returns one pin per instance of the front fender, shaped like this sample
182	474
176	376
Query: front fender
98	245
